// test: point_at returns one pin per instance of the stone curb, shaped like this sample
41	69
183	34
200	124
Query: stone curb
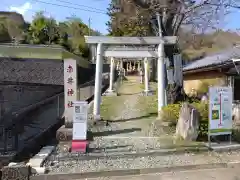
121	154
76	176
154	152
41	156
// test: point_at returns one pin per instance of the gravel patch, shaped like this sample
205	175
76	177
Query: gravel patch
127	132
108	163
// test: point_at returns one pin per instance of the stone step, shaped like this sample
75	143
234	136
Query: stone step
117	143
72	156
109	163
115	147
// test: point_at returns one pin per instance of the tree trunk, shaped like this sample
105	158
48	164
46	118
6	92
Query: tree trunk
175	91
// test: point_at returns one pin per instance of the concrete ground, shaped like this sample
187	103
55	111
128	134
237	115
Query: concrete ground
205	174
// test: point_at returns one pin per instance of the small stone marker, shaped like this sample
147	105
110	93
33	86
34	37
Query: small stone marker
188	123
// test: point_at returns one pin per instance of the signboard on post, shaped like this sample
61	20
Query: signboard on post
80	117
220	111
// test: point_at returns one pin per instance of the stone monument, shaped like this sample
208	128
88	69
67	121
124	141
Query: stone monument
188	123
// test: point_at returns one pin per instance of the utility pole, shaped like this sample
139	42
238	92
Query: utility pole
91	47
89	26
159	24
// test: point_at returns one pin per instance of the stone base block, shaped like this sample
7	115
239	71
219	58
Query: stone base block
97	118
79	146
110	93
224	146
21	172
147	93
64	134
65	146
68	124
39	158
101	123
38	170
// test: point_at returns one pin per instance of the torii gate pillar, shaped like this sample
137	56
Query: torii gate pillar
98	83
161	77
110	91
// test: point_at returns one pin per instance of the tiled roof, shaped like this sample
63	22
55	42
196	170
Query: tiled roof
215	59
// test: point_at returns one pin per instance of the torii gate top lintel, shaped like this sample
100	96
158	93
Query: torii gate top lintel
150	40
126	52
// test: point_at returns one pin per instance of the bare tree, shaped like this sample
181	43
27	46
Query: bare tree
197	16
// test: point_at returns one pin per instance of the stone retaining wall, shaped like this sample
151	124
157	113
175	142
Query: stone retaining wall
38	71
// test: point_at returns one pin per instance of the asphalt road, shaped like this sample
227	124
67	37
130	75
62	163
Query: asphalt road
207	174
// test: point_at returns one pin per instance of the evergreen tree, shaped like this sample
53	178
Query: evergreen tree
127	19
112	24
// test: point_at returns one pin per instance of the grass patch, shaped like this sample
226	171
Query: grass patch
129	88
148	104
110	105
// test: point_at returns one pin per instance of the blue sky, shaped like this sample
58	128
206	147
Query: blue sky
84	10
29	7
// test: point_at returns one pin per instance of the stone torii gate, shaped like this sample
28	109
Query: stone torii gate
100	41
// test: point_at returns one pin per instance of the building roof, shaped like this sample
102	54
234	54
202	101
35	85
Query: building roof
234	70
52	52
220	58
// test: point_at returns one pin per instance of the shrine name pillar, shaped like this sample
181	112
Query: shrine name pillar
161	77
146	75
98	83
70	89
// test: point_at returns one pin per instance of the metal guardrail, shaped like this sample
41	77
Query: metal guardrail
9	130
9	118
90	92
10	123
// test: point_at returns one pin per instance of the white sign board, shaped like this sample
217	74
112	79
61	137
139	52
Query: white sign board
220	110
80	117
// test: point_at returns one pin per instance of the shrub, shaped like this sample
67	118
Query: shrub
170	113
202	109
